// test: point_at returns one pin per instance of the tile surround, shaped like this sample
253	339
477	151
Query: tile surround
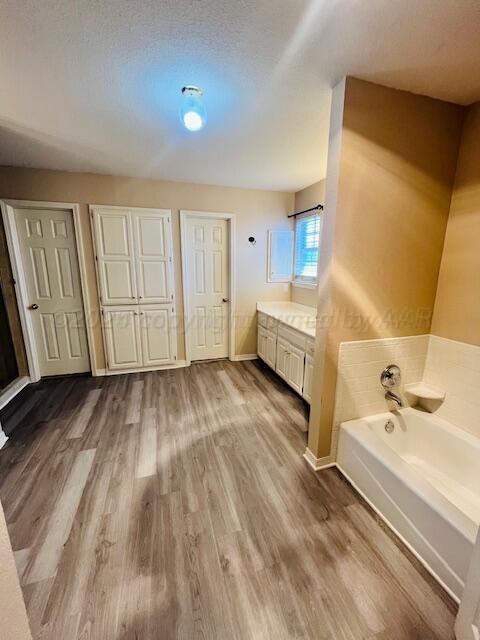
443	364
455	367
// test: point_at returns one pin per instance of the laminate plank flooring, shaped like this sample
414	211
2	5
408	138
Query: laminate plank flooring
177	505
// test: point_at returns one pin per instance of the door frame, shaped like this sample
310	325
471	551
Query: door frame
8	213
185	215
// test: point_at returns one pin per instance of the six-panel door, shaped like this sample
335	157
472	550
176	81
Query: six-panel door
207	287
55	304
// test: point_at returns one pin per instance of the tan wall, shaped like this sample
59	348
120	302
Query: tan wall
13	617
255	210
304	199
457	307
397	165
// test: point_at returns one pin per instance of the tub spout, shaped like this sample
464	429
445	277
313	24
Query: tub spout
392	396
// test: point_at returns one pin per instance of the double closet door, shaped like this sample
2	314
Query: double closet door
135	282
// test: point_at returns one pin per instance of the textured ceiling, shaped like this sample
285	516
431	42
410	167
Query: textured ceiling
94	85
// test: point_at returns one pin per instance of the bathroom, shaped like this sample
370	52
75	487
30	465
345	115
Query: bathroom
240	320
398	294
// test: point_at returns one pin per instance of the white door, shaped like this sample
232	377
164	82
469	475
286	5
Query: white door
206	282
122	337
153	256
158	337
307	379
271	349
115	256
50	263
295	368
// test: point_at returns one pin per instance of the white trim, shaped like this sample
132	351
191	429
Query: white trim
244	356
8	212
82	265
230	217
318	463
13	389
3	438
304	285
165	367
399	535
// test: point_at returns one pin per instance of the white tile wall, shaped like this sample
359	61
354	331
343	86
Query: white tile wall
359	392
446	365
455	368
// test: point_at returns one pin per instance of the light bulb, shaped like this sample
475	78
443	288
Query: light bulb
192	111
192	121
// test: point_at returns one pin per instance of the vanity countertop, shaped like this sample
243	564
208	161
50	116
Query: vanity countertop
297	316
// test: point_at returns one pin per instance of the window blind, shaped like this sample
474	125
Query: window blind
307	238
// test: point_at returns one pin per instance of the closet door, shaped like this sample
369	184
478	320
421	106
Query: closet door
153	253
122	337
158	336
114	255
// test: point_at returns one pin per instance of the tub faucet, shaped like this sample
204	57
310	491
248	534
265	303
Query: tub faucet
393	396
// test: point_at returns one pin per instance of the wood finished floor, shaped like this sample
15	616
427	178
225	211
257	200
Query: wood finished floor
177	504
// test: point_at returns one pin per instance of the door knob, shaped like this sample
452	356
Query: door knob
33	307
224	299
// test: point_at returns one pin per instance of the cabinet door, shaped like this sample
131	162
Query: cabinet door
158	336
295	368
122	337
153	253
307	379
115	256
262	343
282	358
271	349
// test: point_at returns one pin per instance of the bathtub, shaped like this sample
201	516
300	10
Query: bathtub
423	479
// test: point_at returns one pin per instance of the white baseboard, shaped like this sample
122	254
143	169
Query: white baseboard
116	372
245	356
318	463
3	438
12	390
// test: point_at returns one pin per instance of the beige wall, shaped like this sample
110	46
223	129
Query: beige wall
457	306
13	616
256	211
396	169
304	199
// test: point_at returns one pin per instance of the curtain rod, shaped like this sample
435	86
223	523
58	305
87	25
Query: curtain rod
317	207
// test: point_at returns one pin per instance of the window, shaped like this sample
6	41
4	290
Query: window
307	238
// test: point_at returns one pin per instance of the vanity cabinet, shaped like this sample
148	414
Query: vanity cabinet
307	379
286	350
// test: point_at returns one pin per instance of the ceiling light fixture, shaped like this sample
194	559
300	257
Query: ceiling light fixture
192	111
